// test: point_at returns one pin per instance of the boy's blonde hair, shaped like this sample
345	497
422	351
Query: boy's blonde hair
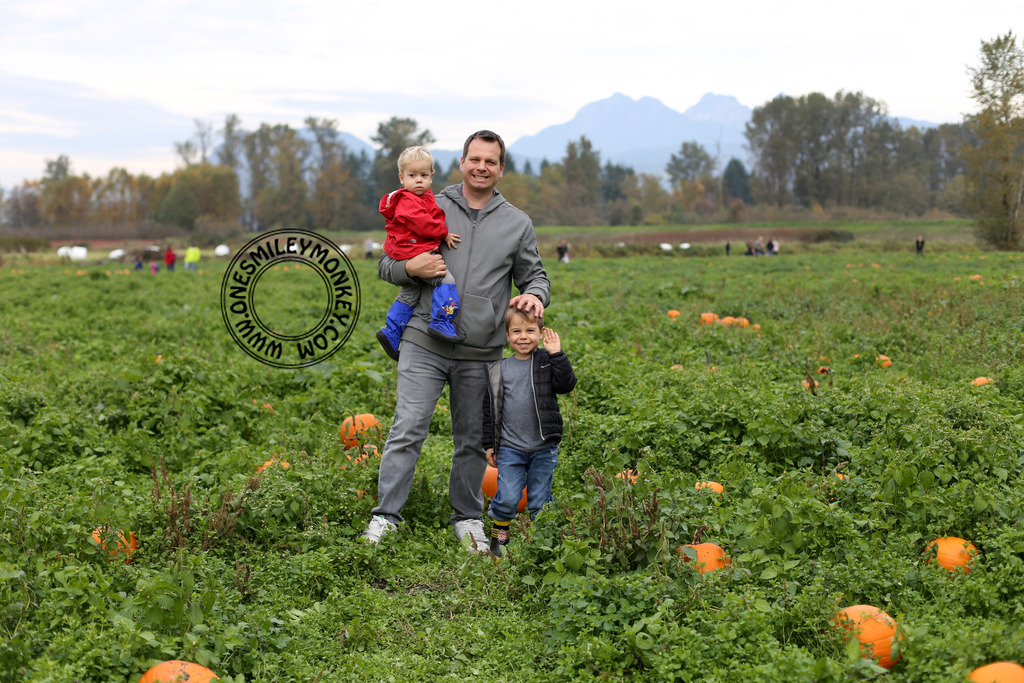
411	154
528	316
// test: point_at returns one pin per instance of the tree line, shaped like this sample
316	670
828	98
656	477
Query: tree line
812	152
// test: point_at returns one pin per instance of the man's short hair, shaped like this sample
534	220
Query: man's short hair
412	154
486	136
527	315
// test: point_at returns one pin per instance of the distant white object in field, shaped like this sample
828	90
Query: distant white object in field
620	244
73	253
378	245
345	247
684	245
222	250
665	246
116	254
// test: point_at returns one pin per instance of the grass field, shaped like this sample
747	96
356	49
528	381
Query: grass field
125	404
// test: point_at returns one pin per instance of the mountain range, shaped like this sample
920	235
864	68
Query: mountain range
642	134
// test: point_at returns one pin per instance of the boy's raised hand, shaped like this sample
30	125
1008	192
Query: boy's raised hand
451	239
552	344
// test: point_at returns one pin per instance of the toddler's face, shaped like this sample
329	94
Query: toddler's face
417	177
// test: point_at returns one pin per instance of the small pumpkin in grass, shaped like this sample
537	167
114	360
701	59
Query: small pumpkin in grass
998	672
271	463
359	427
490	487
708	557
178	670
713	485
883	361
727	320
673	314
874	629
977	382
708	318
807	384
629	476
119	546
953	552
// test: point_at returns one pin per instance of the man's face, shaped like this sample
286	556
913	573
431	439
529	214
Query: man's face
481	167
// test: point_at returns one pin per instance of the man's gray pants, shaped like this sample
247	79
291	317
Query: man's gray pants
422	375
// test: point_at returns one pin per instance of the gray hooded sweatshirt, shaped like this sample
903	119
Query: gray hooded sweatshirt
497	250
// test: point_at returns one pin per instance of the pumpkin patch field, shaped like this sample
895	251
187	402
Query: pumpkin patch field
167	503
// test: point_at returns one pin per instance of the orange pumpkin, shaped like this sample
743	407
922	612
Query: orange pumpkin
708	318
359	428
875	630
269	463
727	320
953	553
823	370
490	487
628	476
742	322
998	672
713	485
709	557
673	313
981	380
883	361
807	384
121	545
178	670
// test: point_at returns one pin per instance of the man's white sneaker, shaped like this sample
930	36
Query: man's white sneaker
379	526
470	533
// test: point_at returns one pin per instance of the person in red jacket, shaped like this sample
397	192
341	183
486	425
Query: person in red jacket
169	258
415	224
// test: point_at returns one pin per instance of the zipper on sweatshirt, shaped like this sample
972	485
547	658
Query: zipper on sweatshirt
533	390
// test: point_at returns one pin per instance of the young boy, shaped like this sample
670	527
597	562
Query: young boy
415	224
522	423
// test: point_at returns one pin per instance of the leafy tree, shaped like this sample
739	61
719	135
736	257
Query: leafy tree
336	193
179	206
276	156
22	209
581	168
996	165
771	136
66	199
57	169
692	163
612	178
736	181
528	168
231	149
393	136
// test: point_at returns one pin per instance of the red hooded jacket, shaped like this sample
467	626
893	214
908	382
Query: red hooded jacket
414	224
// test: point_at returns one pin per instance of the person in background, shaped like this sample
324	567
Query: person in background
522	424
192	258
368	247
169	258
919	245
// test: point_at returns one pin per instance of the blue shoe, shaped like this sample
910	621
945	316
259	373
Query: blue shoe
444	306
390	336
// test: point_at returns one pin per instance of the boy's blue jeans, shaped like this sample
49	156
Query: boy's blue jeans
517	469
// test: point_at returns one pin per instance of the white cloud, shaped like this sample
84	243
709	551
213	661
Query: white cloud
460	66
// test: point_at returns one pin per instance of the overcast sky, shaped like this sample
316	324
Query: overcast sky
117	82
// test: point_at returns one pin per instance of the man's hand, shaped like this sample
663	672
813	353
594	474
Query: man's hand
528	302
492	459
552	344
426	265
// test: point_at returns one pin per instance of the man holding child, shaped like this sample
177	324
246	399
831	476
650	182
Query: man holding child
498	250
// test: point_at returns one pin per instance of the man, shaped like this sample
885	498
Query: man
498	249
